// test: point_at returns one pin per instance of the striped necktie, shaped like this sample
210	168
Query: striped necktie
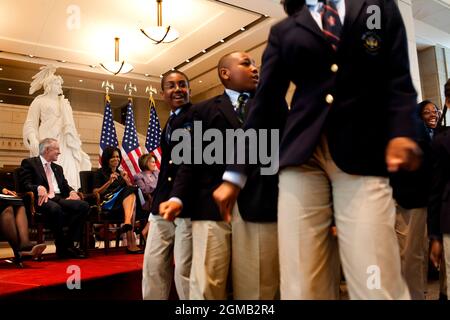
240	107
169	127
331	23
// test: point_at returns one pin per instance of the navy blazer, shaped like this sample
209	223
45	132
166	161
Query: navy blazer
258	200
168	169
439	201
32	175
360	96
412	189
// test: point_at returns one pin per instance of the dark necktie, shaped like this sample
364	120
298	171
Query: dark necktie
169	127
331	23
240	107
431	133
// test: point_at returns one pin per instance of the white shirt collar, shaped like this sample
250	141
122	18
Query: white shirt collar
234	95
176	112
44	162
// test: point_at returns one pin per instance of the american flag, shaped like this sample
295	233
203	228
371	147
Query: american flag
109	135
153	139
130	145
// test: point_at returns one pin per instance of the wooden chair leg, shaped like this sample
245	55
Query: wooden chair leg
106	236
87	235
40	233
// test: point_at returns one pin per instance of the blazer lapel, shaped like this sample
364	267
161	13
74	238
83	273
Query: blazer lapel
305	19
352	11
40	168
226	108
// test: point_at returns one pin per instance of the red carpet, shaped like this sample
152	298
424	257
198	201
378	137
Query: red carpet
113	276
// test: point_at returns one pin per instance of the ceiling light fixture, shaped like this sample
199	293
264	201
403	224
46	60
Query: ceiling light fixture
160	33
116	67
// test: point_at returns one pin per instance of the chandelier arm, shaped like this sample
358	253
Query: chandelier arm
157	41
113	72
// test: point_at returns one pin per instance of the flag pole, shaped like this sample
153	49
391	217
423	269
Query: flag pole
130	88
151	91
107	86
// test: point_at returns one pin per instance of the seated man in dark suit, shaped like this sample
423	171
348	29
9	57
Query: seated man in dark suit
59	203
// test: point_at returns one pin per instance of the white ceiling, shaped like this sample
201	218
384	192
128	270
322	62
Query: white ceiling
432	22
49	30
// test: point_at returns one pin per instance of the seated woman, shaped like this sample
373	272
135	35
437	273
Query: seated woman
109	179
146	181
14	227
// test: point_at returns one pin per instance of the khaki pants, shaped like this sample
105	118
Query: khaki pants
254	262
365	216
447	262
250	248
410	226
210	260
167	241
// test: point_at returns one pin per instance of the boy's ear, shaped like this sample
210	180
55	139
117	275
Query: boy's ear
224	73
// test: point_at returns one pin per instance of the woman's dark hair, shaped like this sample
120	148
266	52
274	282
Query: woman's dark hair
143	161
292	6
107	155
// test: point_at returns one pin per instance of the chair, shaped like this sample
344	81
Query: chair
99	215
36	220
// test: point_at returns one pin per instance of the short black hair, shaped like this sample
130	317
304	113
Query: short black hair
292	6
223	63
422	105
107	155
168	73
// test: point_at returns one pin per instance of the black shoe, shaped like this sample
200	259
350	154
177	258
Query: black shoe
76	253
139	251
17	260
70	253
